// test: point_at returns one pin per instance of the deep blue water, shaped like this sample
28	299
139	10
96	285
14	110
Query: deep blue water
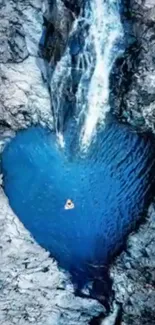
110	188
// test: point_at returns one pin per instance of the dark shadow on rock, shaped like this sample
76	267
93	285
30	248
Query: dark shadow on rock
132	99
125	65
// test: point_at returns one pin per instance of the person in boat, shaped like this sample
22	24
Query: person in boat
69	205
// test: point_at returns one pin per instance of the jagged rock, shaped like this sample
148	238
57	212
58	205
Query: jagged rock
134	275
12	37
74	5
57	25
135	89
24	97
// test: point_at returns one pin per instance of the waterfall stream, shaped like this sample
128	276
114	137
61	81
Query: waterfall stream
102	35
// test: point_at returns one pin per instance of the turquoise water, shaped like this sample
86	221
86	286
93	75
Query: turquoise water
110	188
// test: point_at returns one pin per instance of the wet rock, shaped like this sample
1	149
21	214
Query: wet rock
135	91
57	25
74	5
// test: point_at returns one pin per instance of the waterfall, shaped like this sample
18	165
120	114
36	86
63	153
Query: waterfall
102	34
59	80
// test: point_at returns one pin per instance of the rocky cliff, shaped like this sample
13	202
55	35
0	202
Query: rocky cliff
133	272
33	289
135	91
24	97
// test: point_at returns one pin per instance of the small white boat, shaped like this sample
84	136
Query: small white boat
69	205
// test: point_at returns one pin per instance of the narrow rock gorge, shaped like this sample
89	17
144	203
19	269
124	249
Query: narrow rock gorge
34	35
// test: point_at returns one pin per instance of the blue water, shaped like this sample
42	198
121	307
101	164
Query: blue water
104	168
110	187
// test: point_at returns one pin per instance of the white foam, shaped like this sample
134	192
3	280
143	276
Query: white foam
105	30
60	139
95	63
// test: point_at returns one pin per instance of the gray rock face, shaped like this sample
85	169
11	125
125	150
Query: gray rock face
136	101
134	275
12	42
134	271
57	21
24	97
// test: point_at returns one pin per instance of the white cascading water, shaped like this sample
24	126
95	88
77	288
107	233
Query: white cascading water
96	60
58	84
104	33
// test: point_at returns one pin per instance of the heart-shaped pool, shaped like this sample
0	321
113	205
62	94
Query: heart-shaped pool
108	188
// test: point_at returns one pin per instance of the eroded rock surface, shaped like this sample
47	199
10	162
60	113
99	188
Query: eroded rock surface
24	97
136	88
134	271
134	275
